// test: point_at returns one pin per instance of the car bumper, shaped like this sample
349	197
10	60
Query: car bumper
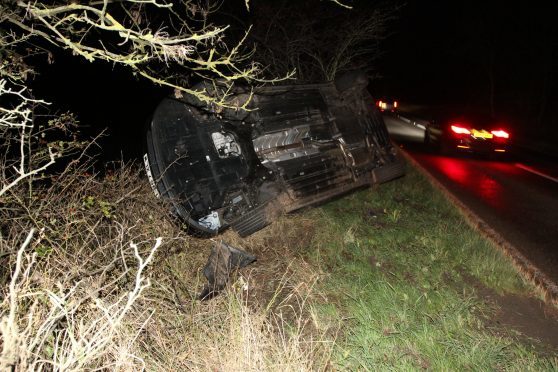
479	146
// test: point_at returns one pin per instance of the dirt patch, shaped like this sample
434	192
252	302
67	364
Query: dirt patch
529	316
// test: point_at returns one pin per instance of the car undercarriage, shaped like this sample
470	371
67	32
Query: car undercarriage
296	146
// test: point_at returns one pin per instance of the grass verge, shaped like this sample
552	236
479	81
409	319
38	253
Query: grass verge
415	287
386	278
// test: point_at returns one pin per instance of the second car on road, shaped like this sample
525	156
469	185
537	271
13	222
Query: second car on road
465	134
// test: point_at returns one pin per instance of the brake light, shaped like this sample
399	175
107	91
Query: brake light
460	130
500	133
395	104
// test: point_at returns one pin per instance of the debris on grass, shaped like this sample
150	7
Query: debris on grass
223	260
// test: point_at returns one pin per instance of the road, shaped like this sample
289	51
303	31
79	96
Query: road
403	129
518	198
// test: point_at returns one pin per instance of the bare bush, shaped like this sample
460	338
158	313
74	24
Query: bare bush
69	300
45	326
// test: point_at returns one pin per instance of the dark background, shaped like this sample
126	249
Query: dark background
103	97
495	57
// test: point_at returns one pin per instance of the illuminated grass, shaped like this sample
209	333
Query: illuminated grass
402	271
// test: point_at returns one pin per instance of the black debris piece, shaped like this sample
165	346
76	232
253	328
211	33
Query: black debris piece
222	261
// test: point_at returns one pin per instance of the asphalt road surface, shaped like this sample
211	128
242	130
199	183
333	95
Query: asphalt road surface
403	129
518	198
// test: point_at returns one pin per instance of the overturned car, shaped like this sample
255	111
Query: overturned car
299	145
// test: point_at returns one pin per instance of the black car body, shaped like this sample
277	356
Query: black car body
473	134
300	145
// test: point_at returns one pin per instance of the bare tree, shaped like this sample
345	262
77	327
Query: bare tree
160	40
317	39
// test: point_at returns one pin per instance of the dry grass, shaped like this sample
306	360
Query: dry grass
261	322
229	333
93	288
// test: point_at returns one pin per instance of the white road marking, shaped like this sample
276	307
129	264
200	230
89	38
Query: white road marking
534	171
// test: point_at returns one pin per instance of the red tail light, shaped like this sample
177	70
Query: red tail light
500	133
395	104
460	130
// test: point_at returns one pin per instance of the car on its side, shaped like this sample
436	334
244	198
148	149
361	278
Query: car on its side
295	146
469	134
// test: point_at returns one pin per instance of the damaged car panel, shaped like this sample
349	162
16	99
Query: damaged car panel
300	145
